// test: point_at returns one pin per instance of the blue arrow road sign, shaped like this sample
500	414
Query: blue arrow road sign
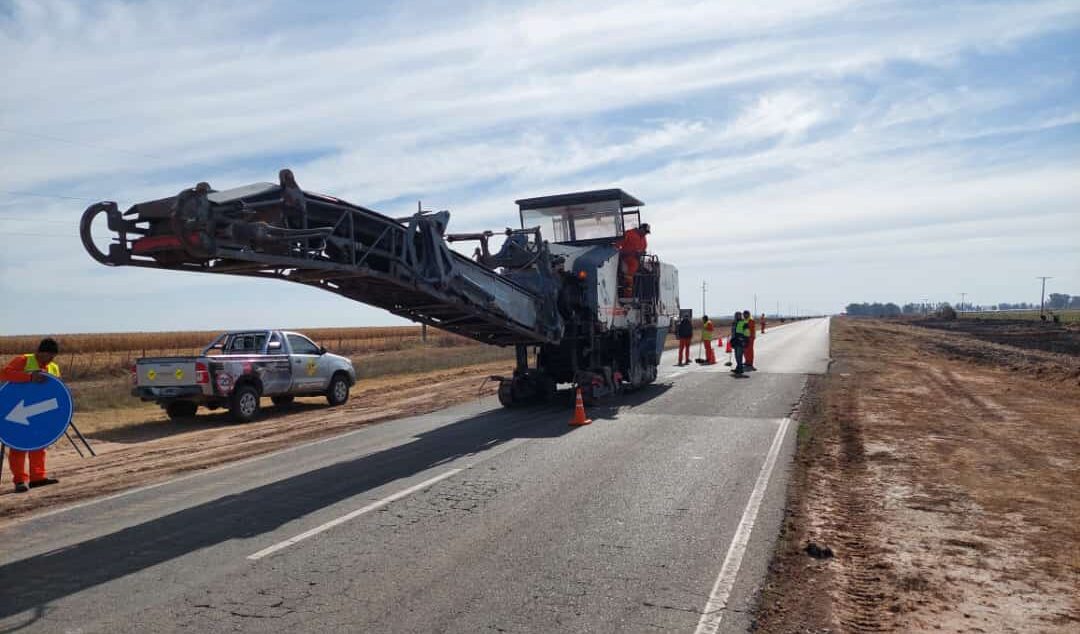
34	415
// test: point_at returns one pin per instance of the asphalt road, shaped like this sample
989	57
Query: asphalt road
473	519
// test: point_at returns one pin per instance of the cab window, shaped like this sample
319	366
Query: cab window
573	223
302	345
245	343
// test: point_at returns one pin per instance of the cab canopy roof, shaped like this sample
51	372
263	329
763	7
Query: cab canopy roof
580	198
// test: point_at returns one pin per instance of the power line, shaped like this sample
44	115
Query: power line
96	146
41	195
45	220
4	234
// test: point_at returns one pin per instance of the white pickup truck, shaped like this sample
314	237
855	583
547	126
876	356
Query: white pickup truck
239	368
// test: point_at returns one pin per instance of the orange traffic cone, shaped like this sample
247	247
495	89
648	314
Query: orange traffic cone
579	412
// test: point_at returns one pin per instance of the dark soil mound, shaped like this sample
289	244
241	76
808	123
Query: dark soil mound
1032	335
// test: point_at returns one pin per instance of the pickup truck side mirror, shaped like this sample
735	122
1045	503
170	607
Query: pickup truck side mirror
273	345
322	350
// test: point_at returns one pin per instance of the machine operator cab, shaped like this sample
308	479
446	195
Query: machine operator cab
583	220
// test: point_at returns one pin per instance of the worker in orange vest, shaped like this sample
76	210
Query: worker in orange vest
24	369
632	247
749	352
707	330
762	323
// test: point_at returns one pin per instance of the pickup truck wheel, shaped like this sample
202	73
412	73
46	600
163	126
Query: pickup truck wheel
282	401
181	409
244	405
338	391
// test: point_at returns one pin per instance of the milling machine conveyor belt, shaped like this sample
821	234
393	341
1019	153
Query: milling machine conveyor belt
281	232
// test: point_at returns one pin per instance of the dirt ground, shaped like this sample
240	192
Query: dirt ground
1029	333
937	488
140	446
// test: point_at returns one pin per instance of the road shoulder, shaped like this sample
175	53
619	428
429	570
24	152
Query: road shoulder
932	488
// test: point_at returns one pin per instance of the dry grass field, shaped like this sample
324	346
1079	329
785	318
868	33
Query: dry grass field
102	355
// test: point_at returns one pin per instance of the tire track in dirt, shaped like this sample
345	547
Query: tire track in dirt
860	607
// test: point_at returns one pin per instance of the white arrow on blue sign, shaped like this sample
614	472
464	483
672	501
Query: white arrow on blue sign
34	415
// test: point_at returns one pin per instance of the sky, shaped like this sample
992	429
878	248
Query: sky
800	155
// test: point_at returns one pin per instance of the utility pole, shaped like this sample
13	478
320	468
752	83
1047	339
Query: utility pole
755	304
1042	298
962	296
704	285
777	308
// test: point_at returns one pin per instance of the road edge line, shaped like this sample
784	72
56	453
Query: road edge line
713	613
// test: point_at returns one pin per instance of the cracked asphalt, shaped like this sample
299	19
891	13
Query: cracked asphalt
620	526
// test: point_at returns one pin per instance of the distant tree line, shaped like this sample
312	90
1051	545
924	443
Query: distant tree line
1059	301
1054	301
877	309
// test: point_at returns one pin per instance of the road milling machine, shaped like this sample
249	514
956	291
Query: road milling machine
551	290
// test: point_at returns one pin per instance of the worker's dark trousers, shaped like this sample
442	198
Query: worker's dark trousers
738	347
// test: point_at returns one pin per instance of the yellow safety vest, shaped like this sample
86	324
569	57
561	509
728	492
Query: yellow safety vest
706	333
32	366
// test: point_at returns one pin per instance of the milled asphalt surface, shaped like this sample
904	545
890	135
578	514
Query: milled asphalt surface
620	526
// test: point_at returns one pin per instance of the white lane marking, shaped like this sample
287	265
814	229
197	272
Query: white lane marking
348	516
230	465
721	591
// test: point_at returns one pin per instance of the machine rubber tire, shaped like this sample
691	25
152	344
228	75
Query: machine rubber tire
506	394
284	400
338	390
244	404
547	389
181	409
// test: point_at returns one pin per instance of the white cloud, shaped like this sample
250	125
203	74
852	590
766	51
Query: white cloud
820	117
